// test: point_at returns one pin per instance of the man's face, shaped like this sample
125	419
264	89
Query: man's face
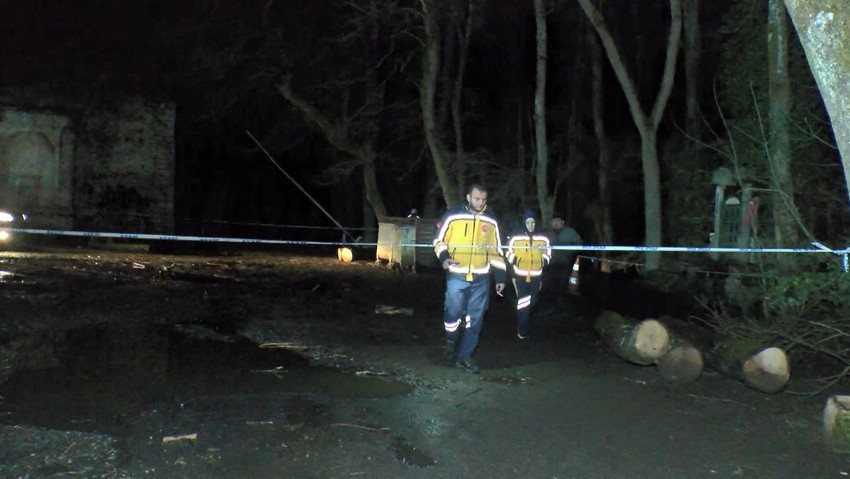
530	224
477	200
557	223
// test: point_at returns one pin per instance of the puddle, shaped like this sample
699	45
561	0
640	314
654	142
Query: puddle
99	380
410	455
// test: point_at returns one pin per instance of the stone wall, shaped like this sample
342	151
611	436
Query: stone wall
105	168
124	169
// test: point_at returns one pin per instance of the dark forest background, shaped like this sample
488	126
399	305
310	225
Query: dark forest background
337	90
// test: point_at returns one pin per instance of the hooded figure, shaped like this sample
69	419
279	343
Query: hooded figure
528	253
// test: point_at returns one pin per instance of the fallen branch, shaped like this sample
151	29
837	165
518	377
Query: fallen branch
368	428
182	437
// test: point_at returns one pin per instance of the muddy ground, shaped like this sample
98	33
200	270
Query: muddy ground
123	364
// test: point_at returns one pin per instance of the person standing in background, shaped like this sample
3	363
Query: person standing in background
556	289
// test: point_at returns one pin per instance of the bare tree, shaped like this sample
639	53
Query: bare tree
824	30
352	127
647	125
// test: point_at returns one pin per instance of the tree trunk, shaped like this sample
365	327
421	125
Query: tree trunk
762	368
824	30
428	87
641	342
457	95
605	226
545	198
779	144
647	125
692	54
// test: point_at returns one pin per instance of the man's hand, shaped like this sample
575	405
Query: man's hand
500	287
448	263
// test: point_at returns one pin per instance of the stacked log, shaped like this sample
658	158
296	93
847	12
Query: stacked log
762	368
641	342
836	422
683	362
650	342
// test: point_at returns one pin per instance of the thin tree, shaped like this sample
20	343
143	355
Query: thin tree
545	198
604	224
779	141
647	125
693	53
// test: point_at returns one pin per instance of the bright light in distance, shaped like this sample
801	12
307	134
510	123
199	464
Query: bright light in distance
4	235
6	217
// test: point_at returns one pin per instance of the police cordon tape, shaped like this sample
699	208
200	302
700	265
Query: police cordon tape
819	248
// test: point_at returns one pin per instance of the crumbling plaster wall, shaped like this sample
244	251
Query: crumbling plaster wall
35	176
107	166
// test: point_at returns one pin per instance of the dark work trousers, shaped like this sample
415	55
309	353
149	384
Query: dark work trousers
466	303
527	297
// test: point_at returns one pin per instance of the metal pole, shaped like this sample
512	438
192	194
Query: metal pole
345	233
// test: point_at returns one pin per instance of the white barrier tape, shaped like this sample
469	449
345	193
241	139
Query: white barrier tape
215	239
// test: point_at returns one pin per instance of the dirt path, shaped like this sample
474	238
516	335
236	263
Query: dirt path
185	395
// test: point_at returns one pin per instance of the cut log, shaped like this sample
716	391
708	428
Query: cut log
683	362
641	342
836	422
762	368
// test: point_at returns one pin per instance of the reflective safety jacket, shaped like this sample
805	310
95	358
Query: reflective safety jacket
528	253
472	240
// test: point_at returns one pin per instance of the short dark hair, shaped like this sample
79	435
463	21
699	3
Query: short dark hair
476	185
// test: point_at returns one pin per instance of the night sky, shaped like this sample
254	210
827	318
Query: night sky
221	63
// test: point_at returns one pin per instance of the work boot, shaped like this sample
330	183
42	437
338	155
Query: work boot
468	366
449	352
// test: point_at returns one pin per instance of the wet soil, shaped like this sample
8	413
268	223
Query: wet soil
124	364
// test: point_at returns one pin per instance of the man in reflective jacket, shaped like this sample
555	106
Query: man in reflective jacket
467	245
528	253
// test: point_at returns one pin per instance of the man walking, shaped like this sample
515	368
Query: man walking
528	253
467	245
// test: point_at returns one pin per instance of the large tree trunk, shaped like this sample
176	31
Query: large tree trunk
641	342
430	74
545	198
824	30
779	145
762	368
647	125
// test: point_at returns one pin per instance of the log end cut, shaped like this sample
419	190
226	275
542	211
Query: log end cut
651	339
767	371
836	422
682	364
